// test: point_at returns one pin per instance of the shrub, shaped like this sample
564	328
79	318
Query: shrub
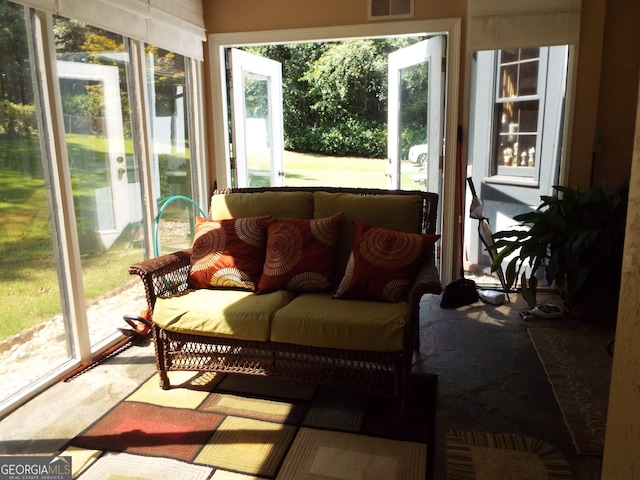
18	120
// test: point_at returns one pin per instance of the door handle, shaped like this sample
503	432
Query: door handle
121	172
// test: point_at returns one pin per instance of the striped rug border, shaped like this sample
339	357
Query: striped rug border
459	445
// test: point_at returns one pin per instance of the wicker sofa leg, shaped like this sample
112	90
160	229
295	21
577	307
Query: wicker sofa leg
165	383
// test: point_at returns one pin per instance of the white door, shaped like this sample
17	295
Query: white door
257	135
415	163
112	194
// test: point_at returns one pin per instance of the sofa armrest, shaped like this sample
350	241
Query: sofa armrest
163	276
427	281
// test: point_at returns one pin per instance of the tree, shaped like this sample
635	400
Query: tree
15	82
335	95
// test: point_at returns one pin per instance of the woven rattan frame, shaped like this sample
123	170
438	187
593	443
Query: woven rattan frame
381	373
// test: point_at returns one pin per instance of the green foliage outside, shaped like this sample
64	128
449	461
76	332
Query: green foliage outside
17	120
335	96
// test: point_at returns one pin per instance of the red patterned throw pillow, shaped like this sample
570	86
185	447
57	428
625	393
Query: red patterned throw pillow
300	254
383	263
227	253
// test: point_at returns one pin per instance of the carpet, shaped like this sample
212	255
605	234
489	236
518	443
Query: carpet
579	370
490	456
234	427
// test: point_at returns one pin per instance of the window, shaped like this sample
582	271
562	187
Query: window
91	65
517	112
173	176
29	285
81	146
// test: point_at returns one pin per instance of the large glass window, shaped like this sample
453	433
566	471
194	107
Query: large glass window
33	330
91	65
72	167
167	93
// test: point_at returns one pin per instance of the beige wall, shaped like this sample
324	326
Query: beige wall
622	441
618	92
256	15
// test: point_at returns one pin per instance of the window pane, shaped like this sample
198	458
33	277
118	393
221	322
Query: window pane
92	67
167	93
528	115
257	123
33	330
508	81
517	133
413	113
529	53
528	81
509	56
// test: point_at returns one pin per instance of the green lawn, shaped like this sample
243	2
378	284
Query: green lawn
29	290
316	170
305	169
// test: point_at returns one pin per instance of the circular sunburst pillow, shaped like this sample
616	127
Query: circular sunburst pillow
227	253
301	254
383	263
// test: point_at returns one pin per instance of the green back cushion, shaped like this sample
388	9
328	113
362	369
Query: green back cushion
396	212
276	204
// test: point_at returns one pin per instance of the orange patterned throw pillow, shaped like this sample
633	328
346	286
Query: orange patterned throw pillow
300	254
383	263
227	253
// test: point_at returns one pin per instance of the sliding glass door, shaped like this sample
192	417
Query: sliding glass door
81	184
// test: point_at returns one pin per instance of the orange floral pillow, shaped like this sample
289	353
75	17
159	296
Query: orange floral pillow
227	253
383	263
300	254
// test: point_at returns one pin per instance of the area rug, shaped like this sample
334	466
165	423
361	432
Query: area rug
490	456
240	427
579	370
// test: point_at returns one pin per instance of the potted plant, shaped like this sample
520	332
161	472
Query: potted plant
578	237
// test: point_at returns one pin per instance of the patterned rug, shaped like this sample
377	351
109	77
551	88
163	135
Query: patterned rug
489	456
579	370
237	428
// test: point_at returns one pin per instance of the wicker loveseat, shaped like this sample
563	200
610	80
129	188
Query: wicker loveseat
299	333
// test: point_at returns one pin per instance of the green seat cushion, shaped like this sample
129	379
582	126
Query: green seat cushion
395	212
220	313
316	319
257	204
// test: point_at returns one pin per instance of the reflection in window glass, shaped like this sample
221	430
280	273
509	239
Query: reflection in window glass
167	95
91	65
32	330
